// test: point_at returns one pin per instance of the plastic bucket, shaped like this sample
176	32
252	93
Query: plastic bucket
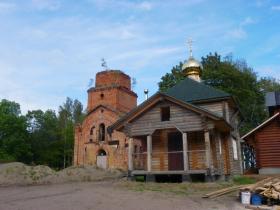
256	200
245	197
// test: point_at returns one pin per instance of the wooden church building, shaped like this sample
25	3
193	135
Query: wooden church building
189	130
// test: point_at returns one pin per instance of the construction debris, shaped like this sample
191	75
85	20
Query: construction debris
268	190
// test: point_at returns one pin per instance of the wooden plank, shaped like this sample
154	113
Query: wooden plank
207	148
142	172
216	107
221	192
179	117
185	150
149	153
225	152
130	151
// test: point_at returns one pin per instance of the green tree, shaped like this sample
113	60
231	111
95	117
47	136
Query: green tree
70	113
269	84
14	144
45	138
234	77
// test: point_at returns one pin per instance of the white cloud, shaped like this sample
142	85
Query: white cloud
261	3
46	58
123	4
24	92
145	5
240	32
237	33
276	8
269	71
6	7
51	5
247	21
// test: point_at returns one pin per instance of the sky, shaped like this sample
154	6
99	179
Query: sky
50	49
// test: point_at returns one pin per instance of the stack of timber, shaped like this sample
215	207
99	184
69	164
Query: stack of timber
251	188
221	192
270	190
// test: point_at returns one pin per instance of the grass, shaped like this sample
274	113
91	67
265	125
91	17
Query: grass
243	180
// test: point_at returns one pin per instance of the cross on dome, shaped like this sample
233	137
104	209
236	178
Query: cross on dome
190	42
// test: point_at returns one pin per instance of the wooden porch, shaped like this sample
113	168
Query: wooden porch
169	151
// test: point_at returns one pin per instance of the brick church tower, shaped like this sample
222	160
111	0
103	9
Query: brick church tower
110	99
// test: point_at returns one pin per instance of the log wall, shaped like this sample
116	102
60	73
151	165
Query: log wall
181	118
268	145
216	107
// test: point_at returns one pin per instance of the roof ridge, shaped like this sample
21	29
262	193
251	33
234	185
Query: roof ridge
260	125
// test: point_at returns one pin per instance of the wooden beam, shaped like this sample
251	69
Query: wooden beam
149	153
142	172
185	152
130	154
207	148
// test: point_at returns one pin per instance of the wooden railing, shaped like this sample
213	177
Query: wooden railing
161	161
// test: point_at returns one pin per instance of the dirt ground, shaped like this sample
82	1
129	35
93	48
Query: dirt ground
107	195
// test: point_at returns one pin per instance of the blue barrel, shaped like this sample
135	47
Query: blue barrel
256	199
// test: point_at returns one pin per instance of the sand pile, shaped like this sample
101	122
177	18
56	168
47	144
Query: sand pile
21	174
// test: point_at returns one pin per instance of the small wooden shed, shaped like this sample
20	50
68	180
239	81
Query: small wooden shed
261	147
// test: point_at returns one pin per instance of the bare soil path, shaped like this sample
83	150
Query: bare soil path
107	195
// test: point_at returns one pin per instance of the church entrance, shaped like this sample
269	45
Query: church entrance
101	159
175	154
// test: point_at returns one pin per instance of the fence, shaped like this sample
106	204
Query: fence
174	160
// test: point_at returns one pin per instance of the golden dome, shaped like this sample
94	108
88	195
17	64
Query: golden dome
192	63
192	68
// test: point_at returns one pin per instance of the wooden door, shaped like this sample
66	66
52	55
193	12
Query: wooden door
175	144
101	161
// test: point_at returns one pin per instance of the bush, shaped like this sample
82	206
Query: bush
5	158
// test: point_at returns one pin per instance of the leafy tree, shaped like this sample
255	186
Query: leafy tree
269	84
236	78
44	134
39	137
70	113
171	79
14	144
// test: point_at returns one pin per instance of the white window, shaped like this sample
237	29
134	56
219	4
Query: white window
234	148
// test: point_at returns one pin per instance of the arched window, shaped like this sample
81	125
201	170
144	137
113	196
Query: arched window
102	153
92	130
101	132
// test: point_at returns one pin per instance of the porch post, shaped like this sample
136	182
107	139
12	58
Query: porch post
149	153
185	152
207	148
130	154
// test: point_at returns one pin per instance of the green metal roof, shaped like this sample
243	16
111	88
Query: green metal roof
190	90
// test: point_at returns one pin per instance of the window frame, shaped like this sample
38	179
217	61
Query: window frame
234	148
165	114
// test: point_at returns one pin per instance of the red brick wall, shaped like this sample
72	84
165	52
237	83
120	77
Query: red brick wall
117	157
112	77
117	98
112	89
